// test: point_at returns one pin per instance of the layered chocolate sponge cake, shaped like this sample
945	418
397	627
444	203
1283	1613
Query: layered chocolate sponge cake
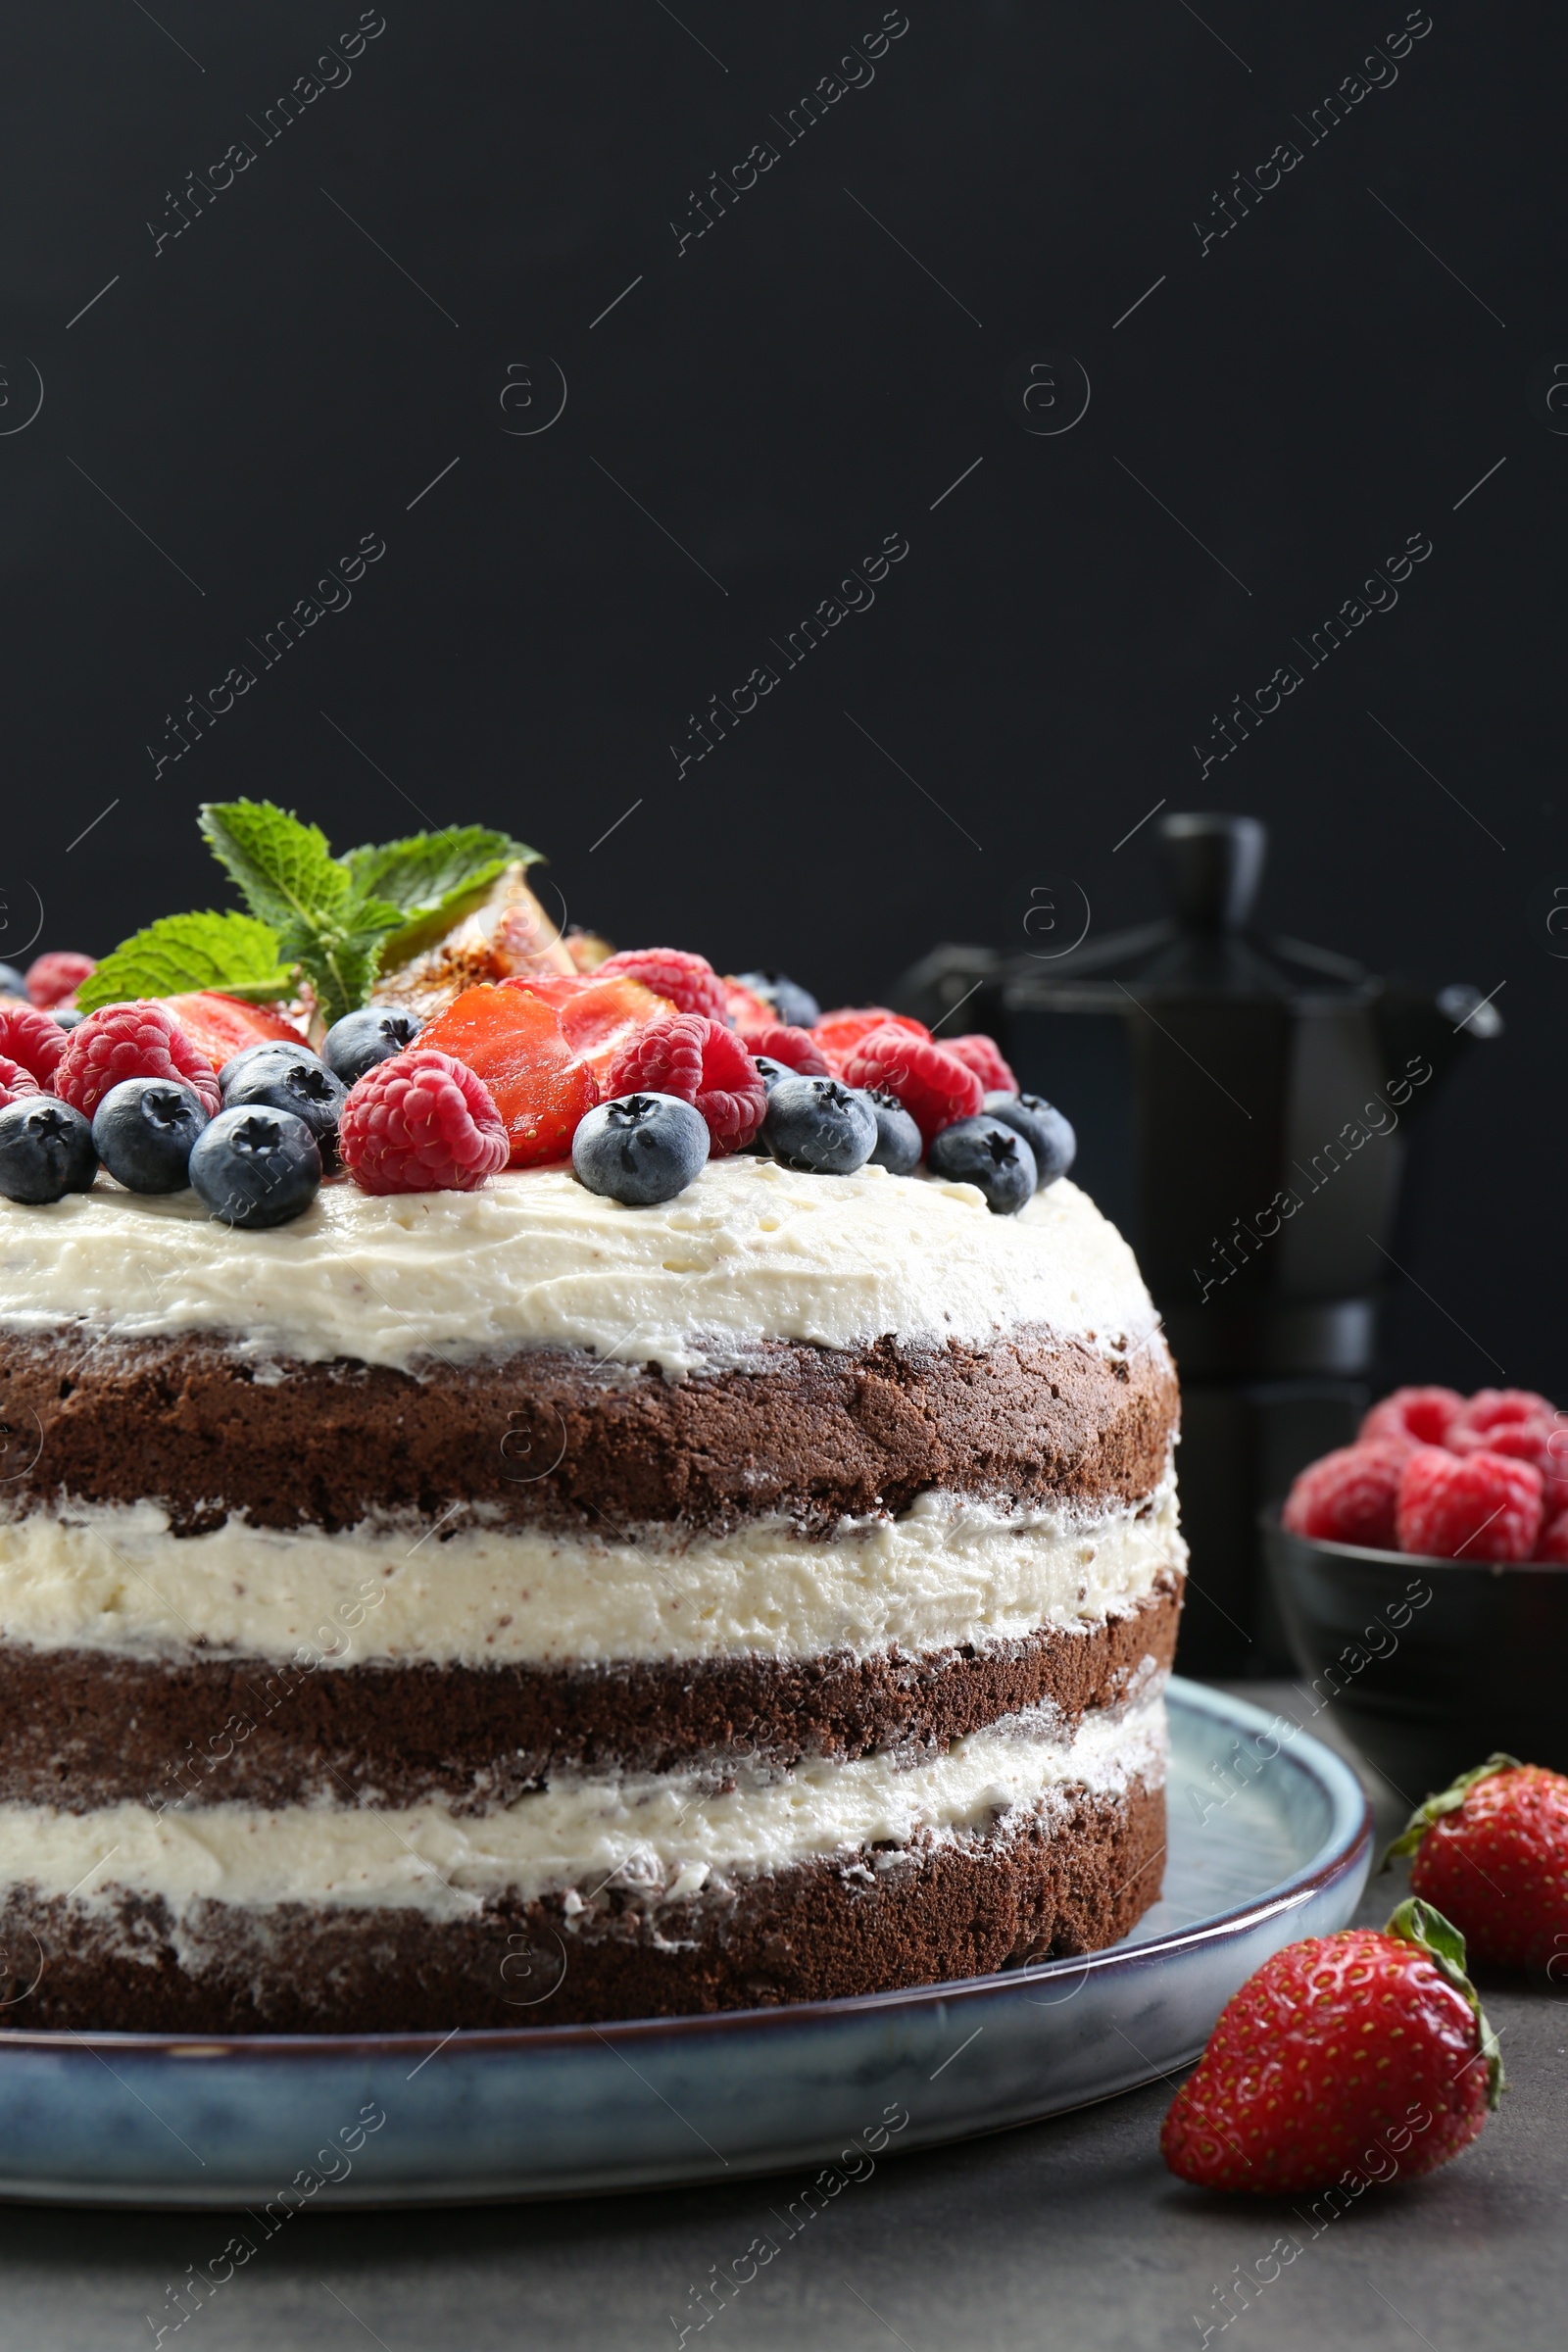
510	1606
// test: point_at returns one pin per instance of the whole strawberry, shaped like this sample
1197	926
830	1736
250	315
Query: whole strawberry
1492	1851
1340	2054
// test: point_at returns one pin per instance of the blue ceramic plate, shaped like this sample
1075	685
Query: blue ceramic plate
1269	1843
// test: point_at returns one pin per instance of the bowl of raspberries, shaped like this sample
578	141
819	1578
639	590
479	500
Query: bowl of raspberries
1422	1573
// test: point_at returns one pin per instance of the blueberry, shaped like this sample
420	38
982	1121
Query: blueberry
45	1151
290	1079
820	1125
12	983
1048	1136
275	1048
359	1039
67	1017
144	1130
794	1005
898	1146
771	1071
640	1149
987	1153
254	1166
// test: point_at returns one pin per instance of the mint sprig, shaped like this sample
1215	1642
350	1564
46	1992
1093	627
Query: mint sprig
338	922
289	877
234	953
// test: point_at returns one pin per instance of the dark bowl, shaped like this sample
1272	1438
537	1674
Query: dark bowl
1430	1665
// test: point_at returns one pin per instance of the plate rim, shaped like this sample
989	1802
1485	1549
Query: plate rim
1349	1835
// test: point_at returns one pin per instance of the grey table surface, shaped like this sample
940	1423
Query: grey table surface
1066	2233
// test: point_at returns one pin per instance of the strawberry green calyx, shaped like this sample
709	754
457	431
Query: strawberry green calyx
1449	1800
1420	1924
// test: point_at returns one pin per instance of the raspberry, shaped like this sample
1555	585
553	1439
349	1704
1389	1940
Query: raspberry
702	1062
1348	1496
1512	1421
15	1082
421	1122
132	1041
983	1055
1483	1506
690	982
837	1034
1414	1416
29	1037
54	977
1553	1542
796	1049
933	1085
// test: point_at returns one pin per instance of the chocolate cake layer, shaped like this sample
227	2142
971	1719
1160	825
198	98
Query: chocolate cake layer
81	1728
815	1931
560	1438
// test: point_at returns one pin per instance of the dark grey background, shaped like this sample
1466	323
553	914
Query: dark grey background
270	384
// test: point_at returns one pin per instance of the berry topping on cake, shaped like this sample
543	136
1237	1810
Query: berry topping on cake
515	1042
898	1147
273	1049
839	1033
745	1010
1492	1853
820	1125
796	1049
290	1078
983	1055
144	1131
1349	1496
690	982
131	1041
14	1081
934	1087
1342	2057
421	1122
786	999
982	1151
33	1040
359	1039
223	1026
597	1014
45	1151
702	1062
54	977
1478	1506
1415	1416
1048	1136
640	1149
256	1167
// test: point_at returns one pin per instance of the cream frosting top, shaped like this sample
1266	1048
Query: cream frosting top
750	1252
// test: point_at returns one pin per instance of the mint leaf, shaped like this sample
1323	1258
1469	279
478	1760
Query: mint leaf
436	878
326	922
233	951
284	869
420	874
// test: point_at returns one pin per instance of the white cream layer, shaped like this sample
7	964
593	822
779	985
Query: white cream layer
663	1835
748	1252
948	1570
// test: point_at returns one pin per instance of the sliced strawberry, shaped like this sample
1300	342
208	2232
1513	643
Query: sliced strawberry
223	1026
837	1034
597	1016
512	1040
745	1011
